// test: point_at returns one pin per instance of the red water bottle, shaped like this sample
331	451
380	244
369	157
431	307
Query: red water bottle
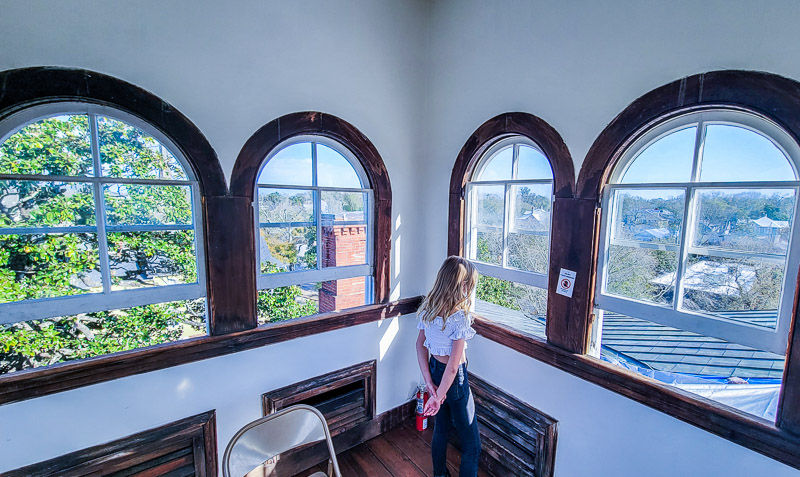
422	399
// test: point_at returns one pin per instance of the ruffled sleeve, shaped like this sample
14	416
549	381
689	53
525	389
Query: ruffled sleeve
420	323
461	327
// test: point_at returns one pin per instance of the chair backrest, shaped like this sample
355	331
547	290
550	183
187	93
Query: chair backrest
271	435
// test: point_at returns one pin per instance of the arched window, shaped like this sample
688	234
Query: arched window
99	243
502	189
699	257
314	230
509	201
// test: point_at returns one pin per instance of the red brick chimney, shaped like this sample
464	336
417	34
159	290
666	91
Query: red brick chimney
343	245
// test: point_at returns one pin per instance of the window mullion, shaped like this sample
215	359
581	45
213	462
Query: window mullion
506	223
515	162
469	237
316	193
689	217
99	207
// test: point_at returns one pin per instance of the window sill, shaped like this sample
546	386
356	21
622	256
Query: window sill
38	382
741	428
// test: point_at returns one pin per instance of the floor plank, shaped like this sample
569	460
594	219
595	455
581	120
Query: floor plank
367	463
393	459
401	452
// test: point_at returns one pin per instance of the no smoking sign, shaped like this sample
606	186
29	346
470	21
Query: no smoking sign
566	283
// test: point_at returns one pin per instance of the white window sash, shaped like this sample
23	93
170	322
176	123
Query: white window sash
538	280
302	277
27	310
761	338
674	315
504	272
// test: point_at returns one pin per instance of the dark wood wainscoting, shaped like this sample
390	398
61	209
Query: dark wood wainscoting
516	438
182	448
345	397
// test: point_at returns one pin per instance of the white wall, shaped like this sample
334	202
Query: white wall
601	433
42	428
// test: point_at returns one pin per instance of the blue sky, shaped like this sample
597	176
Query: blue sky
730	153
532	165
292	166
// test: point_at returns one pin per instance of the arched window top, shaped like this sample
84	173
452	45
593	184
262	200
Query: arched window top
711	146
312	161
315	229
99	218
57	139
101	190
513	158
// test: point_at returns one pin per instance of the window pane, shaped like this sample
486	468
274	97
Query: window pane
739	289
39	343
48	265
733	374
127	151
529	234
343	245
532	203
285	249
669	159
150	259
344	206
135	204
528	251
45	204
532	164
654	216
490	206
285	205
290	166
295	301
733	153
519	306
333	170
641	274
498	168
757	220
60	146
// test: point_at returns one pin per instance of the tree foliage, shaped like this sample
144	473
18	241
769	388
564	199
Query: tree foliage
44	265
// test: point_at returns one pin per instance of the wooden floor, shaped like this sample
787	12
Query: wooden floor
401	452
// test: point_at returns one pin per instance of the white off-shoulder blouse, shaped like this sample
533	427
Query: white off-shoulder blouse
439	341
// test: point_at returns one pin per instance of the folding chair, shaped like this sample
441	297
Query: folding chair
261	440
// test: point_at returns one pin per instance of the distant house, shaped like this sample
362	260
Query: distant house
713	277
534	219
766	227
653	235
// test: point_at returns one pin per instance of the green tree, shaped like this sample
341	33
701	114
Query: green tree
58	264
283	303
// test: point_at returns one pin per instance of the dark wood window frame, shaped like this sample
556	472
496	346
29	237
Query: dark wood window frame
314	123
552	145
227	217
576	234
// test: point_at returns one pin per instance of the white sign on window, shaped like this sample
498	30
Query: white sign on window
566	283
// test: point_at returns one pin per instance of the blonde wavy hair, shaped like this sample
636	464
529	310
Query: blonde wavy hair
452	290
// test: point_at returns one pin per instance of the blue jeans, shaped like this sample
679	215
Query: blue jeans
458	410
